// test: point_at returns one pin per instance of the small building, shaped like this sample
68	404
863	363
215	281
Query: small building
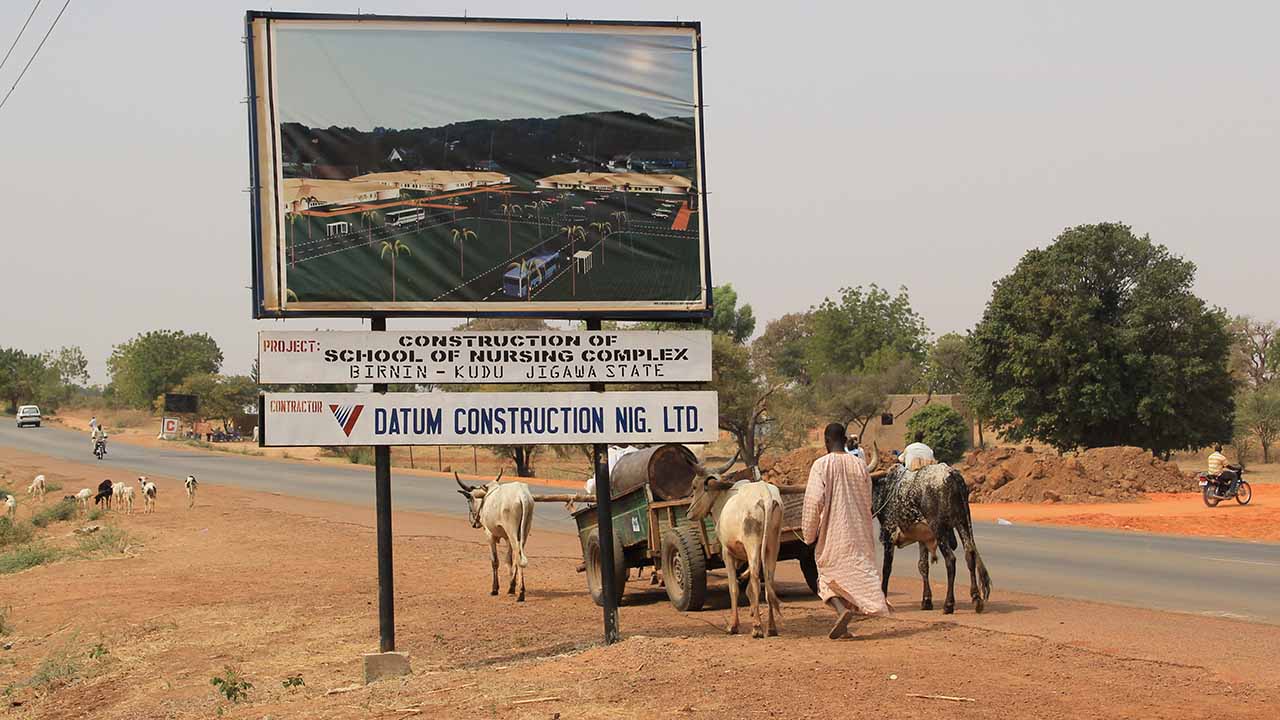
618	182
303	193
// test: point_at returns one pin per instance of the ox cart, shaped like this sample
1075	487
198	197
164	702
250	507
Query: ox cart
651	492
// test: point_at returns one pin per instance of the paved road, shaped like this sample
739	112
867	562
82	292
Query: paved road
1212	577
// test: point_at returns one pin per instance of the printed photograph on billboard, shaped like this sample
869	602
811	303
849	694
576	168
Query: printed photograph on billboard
440	166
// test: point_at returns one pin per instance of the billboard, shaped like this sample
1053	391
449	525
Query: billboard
552	418
338	357
432	166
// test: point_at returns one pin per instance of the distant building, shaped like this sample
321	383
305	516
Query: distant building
303	193
619	181
436	180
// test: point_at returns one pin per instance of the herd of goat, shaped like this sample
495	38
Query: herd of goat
116	496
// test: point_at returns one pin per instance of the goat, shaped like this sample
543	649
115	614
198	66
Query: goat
929	506
504	512
117	496
104	494
126	499
191	491
37	488
748	519
11	507
148	495
82	499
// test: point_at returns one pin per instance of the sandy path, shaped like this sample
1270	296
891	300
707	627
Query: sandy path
276	586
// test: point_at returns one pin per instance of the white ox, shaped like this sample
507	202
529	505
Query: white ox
748	518
505	512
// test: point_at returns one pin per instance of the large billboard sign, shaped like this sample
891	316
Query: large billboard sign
424	166
460	357
553	418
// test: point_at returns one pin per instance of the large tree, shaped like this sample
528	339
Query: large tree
946	367
24	379
779	350
844	333
1099	340
754	408
155	362
1256	350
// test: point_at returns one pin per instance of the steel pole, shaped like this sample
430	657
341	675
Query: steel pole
604	523
382	490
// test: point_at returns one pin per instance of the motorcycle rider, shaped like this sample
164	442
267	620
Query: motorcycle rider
99	436
1222	471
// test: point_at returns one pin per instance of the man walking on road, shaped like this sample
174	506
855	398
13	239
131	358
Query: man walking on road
837	521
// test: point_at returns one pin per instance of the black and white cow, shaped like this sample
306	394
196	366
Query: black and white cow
929	506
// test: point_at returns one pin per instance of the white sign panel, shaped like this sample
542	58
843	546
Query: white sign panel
169	428
557	418
631	356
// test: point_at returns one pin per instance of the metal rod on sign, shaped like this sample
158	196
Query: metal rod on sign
382	490
604	523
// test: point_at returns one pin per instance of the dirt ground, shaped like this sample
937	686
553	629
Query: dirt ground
275	587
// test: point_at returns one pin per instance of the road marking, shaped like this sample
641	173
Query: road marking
1242	562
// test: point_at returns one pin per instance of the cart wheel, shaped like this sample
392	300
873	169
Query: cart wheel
594	585
684	568
809	566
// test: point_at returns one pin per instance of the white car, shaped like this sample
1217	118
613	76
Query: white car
28	415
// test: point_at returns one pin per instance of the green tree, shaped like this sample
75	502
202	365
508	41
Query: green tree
844	333
395	247
155	362
751	406
1254	350
861	397
945	431
1259	415
26	379
779	350
1098	340
946	367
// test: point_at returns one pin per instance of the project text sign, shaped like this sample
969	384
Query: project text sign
554	418
337	357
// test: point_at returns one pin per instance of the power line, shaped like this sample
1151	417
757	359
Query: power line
24	29
34	54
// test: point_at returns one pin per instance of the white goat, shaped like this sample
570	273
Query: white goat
117	497
82	499
11	507
748	519
148	494
191	491
505	512
126	499
37	488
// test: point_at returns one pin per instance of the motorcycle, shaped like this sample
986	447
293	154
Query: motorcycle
100	449
1216	489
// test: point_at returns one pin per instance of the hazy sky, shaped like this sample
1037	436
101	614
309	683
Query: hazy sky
369	76
925	144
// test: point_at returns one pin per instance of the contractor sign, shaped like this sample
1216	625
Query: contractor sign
442	418
335	357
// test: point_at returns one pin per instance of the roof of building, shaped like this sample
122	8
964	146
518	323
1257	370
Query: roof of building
434	177
620	179
327	191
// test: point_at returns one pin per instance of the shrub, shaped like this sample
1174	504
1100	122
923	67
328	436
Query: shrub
26	556
61	668
945	431
109	540
61	511
232	685
14	533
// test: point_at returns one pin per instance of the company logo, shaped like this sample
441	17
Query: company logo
346	415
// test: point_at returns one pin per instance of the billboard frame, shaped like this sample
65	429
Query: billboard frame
258	299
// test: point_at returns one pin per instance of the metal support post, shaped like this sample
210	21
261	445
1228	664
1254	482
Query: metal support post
604	522
382	489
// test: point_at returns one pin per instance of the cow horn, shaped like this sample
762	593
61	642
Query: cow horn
459	481
875	458
732	461
756	471
499	478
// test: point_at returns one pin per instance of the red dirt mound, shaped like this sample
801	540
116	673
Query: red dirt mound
789	469
1110	474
